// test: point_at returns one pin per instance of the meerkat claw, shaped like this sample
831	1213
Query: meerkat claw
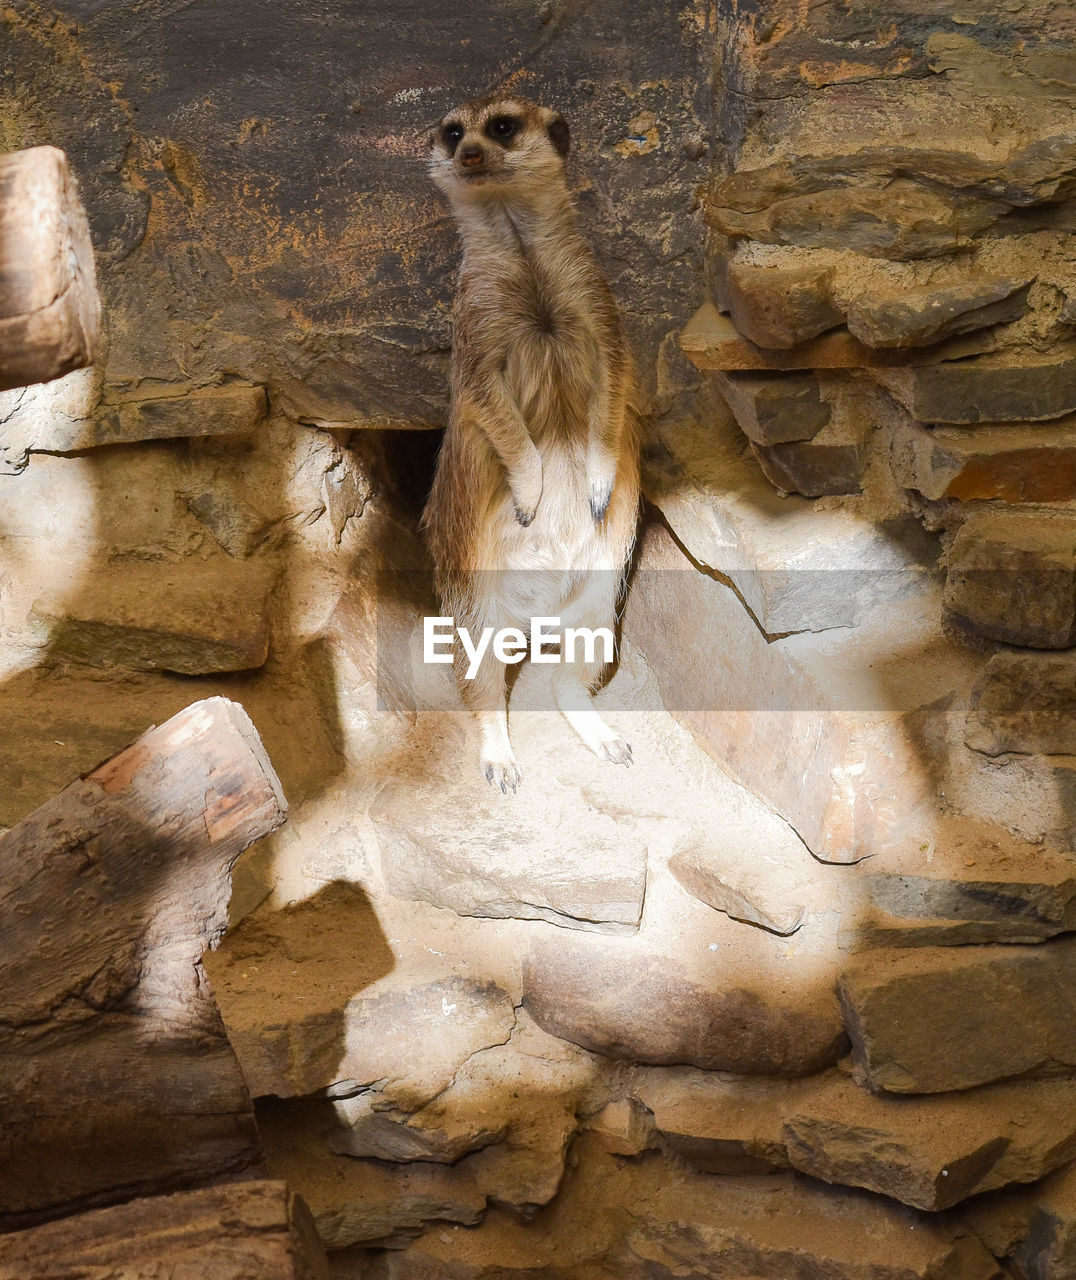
599	501
617	751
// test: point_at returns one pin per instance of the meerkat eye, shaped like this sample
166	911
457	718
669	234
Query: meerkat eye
503	127
451	134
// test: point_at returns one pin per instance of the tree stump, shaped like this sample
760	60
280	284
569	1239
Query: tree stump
49	307
116	1076
219	1233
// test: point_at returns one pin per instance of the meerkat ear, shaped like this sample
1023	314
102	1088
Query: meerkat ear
559	135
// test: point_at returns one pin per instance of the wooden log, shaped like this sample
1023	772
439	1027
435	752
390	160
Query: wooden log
49	307
219	1233
116	1076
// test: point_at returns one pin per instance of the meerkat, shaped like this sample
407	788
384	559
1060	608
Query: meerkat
535	501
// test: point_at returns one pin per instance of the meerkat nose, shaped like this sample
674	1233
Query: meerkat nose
471	157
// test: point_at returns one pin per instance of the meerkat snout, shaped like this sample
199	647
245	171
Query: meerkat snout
492	141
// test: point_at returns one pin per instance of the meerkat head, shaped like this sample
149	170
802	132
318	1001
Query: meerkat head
498	148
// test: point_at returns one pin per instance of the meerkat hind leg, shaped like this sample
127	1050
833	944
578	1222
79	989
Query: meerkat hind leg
486	697
571	692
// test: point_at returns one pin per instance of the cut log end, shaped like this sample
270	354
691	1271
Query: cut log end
49	306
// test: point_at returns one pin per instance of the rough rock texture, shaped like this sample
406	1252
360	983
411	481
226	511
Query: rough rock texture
646	1008
712	341
218	1233
1024	702
933	1153
754	1227
795	567
1013	578
209	616
581	875
773	410
831	462
937	1020
775	308
1012	464
973	391
357	1021
50	311
921	316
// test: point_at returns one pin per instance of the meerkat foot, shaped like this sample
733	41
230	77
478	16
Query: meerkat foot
505	774
603	740
496	761
601	491
617	750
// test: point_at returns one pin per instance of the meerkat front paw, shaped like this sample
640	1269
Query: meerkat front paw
600	491
526	489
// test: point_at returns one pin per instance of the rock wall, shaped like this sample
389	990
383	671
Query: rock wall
794	999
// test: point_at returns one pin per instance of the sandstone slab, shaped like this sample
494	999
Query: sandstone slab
778	308
856	713
227	1232
490	859
1024	702
973	391
193	617
711	341
796	568
918	317
646	1008
775	408
340	1016
371	1202
649	1219
803	204
1013	464
1013	578
830	462
968	881
765	886
1048	1250
935	1020
933	1152
719	1123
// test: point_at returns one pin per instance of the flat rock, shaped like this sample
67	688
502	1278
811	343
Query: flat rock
535	1117
933	1152
625	1003
1012	578
918	317
488	857
341	1012
850	770
973	391
1012	464
777	407
354	1201
778	307
764	885
651	1218
1024	702
232	409
242	1229
711	341
796	568
830	462
194	617
968	881
941	1019
719	1123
